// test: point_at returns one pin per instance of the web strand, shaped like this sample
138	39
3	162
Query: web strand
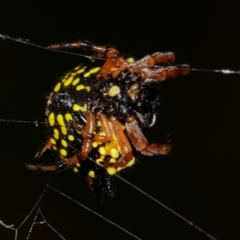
7	226
167	208
223	71
36	122
34	207
39	212
95	213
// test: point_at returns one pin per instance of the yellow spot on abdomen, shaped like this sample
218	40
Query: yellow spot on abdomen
112	160
76	68
111	170
80	87
112	145
87	74
76	81
63	130
91	174
60	120
114	153
83	108
68	81
57	87
70	137
75	170
76	107
102	151
64	143
53	141
63	152
81	70
94	70
51	119
88	88
68	117
55	133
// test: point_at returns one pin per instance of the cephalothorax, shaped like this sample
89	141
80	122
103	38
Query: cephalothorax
96	112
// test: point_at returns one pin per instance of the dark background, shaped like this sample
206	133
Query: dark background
199	178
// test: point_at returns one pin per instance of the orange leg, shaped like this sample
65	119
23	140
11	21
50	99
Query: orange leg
102	51
167	57
154	59
88	136
88	132
105	125
163	73
60	165
124	145
39	156
64	163
159	73
140	142
113	67
113	64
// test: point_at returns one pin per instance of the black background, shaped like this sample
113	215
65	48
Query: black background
199	178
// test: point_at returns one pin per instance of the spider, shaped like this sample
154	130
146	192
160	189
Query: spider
96	113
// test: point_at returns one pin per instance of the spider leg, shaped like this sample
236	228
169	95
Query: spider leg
101	51
159	73
140	142
163	73
154	59
127	158
114	64
63	163
105	125
39	157
88	134
167	57
113	67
